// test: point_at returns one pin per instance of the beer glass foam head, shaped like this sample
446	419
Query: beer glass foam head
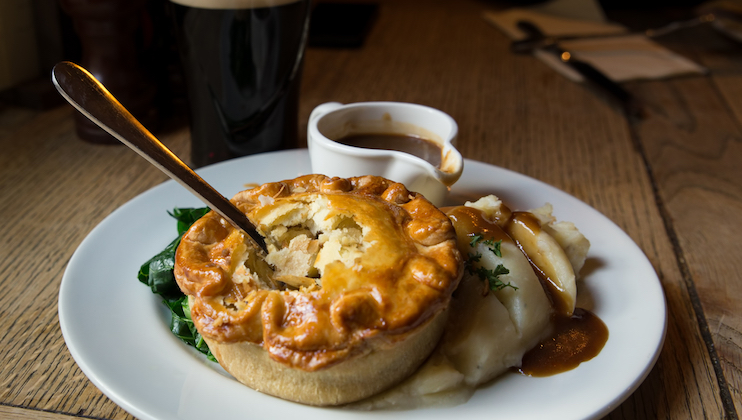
233	4
408	143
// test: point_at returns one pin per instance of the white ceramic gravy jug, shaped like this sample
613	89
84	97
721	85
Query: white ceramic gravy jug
333	121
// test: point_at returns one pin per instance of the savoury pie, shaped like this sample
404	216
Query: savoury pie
351	298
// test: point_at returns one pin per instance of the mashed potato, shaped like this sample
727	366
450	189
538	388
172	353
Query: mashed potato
490	329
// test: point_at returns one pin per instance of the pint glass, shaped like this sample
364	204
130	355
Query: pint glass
242	62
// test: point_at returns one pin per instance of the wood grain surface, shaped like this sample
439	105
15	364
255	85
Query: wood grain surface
672	181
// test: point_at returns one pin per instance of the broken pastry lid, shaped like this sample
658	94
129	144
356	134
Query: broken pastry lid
303	240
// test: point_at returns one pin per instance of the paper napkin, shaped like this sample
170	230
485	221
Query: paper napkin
607	46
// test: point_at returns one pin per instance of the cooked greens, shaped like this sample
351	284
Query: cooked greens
157	273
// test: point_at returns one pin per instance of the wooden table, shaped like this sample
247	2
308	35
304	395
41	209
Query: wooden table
672	181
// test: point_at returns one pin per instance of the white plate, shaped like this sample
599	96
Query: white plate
117	330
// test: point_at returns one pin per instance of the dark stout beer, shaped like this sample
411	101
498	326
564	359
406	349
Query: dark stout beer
242	68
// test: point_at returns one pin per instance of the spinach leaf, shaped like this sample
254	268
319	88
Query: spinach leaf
157	273
182	325
186	217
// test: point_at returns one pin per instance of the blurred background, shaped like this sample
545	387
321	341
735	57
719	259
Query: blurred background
36	34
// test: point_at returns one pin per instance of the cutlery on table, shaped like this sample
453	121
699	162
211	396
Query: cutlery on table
630	105
527	45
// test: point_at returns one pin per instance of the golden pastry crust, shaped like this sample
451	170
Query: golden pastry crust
354	379
372	264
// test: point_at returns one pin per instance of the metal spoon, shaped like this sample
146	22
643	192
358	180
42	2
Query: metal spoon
94	101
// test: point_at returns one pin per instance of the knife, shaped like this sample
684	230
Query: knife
630	105
527	45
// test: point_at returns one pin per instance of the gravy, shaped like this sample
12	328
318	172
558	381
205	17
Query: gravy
416	146
576	338
529	221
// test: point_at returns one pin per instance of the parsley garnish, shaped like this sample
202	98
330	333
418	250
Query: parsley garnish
492	277
475	239
474	258
492	244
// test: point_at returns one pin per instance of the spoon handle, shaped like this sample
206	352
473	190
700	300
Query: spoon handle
94	101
